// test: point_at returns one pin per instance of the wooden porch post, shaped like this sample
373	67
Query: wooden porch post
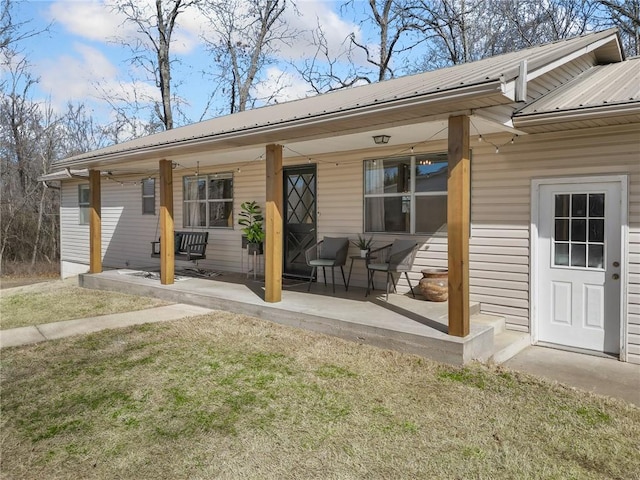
167	257
95	223
458	204
273	244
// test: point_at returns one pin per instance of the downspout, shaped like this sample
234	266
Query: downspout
521	82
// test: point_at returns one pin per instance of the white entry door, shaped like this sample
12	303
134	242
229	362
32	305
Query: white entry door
579	284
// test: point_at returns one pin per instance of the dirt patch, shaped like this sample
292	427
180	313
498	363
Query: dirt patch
12	282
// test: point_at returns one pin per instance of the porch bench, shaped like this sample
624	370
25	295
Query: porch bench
187	246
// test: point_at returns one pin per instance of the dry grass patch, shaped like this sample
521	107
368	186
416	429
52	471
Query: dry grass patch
228	396
59	300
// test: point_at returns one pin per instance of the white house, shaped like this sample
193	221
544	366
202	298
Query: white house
520	173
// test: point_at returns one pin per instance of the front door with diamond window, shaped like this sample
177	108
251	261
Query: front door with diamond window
579	251
299	218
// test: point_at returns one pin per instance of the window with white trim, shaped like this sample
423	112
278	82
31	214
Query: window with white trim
406	194
149	196
83	204
208	201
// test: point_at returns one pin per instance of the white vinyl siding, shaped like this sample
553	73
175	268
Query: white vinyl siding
74	237
499	245
126	233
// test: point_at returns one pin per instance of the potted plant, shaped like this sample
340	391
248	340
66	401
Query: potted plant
364	244
251	222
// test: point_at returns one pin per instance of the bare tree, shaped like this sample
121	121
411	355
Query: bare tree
22	130
152	51
531	22
395	23
397	31
32	137
460	31
625	14
244	37
326	71
12	32
454	27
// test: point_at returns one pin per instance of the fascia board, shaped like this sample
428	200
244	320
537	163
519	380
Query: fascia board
536	71
576	114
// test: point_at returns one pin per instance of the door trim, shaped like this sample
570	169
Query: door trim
534	274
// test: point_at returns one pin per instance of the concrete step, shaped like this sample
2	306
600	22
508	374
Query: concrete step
508	344
498	323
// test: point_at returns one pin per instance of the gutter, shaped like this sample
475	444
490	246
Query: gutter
494	86
576	114
64	174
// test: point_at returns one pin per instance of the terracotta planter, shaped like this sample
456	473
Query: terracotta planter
434	285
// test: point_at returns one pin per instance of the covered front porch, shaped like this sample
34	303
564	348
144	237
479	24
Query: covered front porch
453	131
403	323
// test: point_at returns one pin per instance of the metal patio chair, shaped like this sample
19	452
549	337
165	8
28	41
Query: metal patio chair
399	257
330	252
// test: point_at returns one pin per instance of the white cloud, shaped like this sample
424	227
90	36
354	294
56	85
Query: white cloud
312	13
100	21
91	20
279	86
88	74
69	76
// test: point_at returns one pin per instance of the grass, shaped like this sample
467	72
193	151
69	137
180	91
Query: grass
228	396
61	300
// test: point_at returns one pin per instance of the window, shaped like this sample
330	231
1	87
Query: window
406	194
83	204
208	200
578	238
149	196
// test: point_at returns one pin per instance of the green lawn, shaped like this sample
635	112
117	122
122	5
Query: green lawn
228	396
58	300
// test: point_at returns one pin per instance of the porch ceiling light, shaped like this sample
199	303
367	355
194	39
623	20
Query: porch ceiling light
381	139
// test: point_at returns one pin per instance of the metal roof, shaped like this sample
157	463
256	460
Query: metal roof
613	84
487	77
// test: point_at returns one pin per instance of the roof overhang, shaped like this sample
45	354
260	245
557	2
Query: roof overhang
402	111
606	114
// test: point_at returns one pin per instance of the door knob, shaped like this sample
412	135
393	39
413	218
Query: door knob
616	264
615	276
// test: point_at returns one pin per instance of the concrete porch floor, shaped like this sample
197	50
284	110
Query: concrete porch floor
403	323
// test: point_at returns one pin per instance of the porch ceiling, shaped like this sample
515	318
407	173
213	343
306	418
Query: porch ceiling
357	139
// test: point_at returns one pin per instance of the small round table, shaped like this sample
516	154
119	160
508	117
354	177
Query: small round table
354	257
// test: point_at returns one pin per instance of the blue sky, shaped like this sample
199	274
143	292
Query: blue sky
78	61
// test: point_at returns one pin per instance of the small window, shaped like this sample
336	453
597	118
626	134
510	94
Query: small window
149	196
208	201
83	204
